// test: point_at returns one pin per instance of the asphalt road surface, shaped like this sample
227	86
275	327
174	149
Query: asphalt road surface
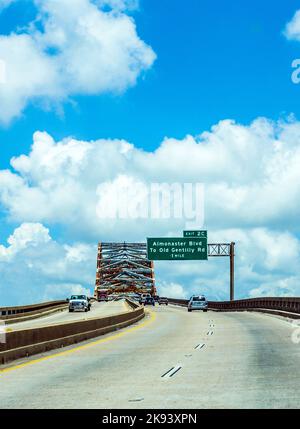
100	309
172	359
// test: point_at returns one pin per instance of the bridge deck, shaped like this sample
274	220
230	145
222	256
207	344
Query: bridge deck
248	360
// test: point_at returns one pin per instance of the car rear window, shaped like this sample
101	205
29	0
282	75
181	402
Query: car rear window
198	298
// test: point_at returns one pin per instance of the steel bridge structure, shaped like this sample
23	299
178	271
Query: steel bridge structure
124	267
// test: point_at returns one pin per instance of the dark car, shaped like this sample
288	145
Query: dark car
163	300
149	300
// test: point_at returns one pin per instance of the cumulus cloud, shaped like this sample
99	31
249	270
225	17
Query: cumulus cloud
63	290
251	177
34	267
172	290
28	234
250	174
73	47
292	29
285	287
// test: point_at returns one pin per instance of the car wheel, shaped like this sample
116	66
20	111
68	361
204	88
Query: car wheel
189	310
70	310
85	310
205	311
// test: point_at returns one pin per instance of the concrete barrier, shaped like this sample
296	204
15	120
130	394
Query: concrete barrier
27	342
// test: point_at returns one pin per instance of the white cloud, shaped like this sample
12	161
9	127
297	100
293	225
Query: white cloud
63	291
250	173
78	252
172	290
292	29
251	176
34	267
28	234
286	287
81	49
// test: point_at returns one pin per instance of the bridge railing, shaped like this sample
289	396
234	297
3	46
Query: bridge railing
15	312
291	305
273	305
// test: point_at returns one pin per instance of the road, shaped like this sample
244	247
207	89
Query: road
100	309
219	360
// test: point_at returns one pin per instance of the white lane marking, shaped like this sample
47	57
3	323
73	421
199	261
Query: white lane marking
172	371
166	373
210	332
136	400
199	346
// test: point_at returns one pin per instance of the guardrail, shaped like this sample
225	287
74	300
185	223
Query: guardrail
288	307
27	342
282	306
14	312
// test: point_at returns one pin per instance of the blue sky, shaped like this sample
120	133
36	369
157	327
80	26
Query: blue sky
211	62
215	61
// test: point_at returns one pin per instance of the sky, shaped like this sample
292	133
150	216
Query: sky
96	95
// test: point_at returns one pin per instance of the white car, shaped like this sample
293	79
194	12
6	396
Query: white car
79	302
198	302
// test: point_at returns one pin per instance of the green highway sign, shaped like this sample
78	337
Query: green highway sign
196	234
177	249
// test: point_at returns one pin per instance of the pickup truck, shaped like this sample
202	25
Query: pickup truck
79	302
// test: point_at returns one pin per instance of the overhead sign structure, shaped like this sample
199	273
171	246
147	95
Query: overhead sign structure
177	249
196	234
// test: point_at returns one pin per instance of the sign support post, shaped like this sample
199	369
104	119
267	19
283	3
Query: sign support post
232	244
